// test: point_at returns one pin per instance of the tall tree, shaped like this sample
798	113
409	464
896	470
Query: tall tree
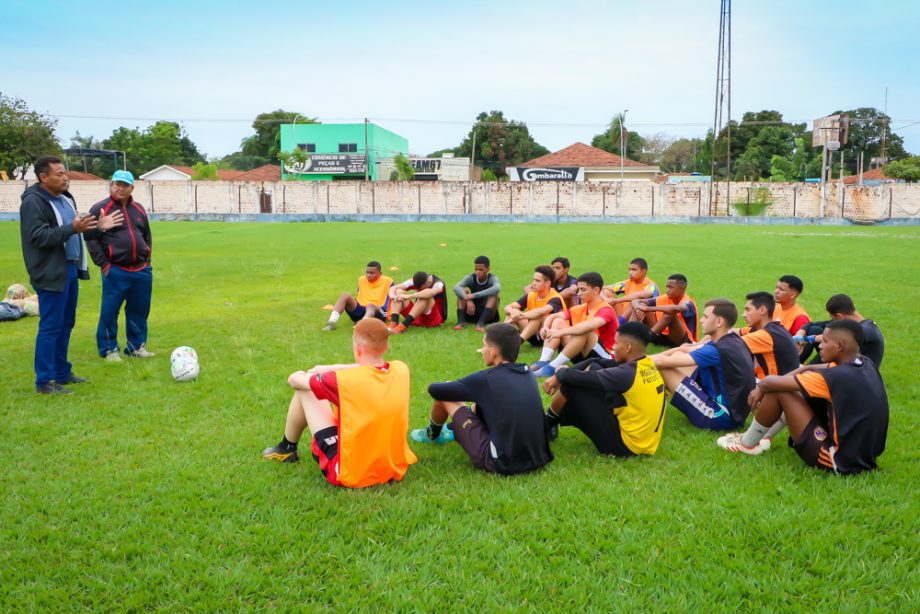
907	169
609	140
680	157
162	143
264	146
500	142
25	135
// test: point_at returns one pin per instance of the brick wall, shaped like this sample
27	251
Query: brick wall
494	198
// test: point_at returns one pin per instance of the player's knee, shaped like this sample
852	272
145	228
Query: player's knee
295	378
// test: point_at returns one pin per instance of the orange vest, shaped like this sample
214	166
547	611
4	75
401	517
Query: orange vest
664	300
373	293
787	318
534	301
373	423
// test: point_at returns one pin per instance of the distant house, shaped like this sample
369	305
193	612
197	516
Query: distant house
580	162
81	176
870	177
266	172
176	172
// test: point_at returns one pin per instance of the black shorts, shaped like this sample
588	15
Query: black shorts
594	354
471	434
360	311
814	447
535	340
480	307
587	410
325	449
664	340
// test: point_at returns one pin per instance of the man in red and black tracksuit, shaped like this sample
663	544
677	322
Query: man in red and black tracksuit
123	254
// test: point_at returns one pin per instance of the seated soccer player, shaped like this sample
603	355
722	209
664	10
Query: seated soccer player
585	331
775	353
676	313
477	296
710	382
621	294
619	404
528	312
505	432
358	414
790	314
564	283
837	412
370	300
422	300
841	307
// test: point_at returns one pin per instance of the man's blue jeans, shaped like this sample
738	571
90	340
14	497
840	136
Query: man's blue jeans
133	290
57	313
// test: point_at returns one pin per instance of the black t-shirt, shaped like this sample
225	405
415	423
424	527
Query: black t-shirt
508	401
738	370
873	345
568	282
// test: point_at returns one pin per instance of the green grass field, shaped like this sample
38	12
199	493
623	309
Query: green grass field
139	493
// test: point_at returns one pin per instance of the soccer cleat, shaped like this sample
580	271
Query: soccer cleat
391	324
547	370
71	379
458	327
52	388
140	352
480	329
538	365
732	443
398	329
276	453
113	356
421	436
330	326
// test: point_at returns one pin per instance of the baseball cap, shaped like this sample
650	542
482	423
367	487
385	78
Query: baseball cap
124	177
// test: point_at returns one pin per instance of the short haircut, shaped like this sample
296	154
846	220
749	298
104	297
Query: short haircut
725	309
374	264
636	330
840	304
762	299
592	279
505	337
43	165
545	271
563	261
372	334
679	278
794	282
852	328
482	260
643	264
419	279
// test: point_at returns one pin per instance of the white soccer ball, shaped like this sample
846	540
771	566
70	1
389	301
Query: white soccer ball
184	351
184	364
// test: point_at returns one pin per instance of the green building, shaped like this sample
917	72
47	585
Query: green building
337	151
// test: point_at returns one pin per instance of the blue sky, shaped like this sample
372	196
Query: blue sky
565	68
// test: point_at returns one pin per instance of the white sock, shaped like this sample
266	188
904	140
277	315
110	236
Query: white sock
560	360
601	350
547	354
334	317
777	427
754	434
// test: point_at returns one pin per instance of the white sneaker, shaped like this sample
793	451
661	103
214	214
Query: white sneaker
766	443
732	443
140	352
113	356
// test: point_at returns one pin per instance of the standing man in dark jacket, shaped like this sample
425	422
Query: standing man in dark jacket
52	249
127	277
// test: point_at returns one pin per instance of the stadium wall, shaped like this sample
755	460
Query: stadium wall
492	200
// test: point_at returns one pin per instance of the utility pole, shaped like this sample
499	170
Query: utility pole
723	91
622	148
367	158
473	153
883	153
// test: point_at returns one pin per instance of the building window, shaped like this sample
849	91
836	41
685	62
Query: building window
307	147
348	147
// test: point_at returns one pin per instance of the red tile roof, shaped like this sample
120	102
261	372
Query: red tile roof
266	172
874	174
580	154
81	176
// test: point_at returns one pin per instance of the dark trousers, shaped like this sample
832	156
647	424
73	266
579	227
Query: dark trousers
133	290
57	313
